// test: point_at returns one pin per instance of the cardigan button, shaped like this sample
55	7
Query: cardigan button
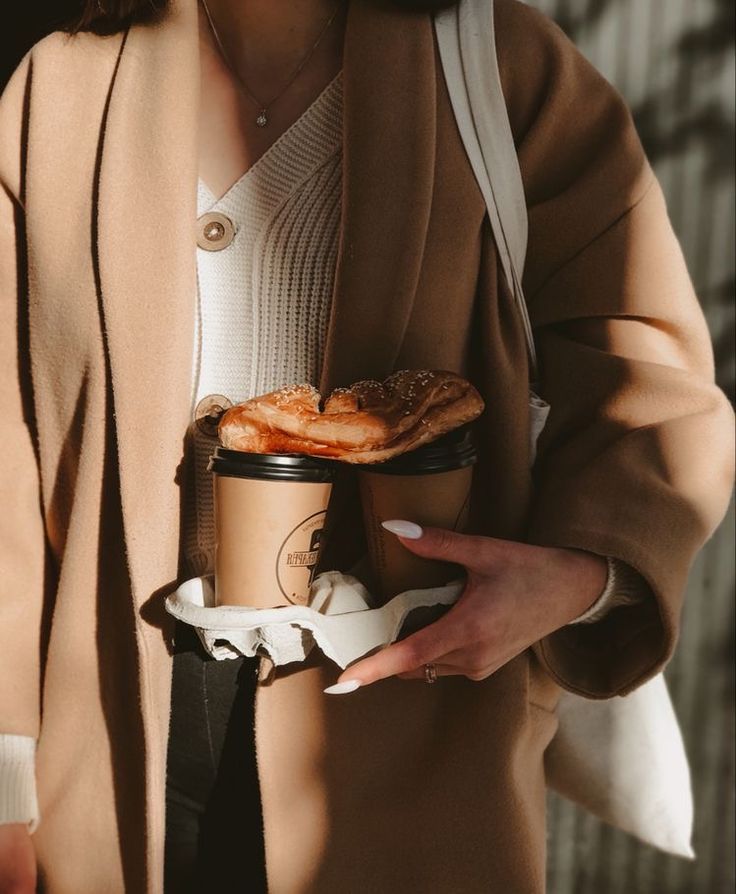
215	231
208	411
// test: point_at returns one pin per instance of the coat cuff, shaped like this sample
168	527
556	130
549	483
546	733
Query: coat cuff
627	646
18	799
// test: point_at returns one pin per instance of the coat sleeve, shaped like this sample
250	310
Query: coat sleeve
23	560
636	461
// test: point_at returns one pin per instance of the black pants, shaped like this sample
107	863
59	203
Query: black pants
214	833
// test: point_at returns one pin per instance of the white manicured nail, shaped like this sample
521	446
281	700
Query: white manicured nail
403	528
339	688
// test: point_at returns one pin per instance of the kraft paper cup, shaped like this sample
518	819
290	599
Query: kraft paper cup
270	512
430	486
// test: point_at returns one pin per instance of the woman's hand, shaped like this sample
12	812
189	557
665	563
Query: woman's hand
17	859
515	595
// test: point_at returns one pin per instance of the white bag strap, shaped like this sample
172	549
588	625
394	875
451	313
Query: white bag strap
467	45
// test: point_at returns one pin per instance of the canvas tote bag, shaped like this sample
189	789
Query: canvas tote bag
623	759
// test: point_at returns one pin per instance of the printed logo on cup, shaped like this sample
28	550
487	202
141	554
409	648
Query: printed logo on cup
297	558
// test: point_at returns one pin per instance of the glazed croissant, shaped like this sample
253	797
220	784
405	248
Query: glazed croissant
366	423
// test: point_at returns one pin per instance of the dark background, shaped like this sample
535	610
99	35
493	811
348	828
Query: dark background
29	22
673	60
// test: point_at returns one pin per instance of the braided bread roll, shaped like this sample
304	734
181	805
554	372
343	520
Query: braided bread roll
367	423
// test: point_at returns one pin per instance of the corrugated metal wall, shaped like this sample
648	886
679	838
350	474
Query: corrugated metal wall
673	60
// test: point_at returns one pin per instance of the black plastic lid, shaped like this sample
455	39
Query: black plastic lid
455	450
271	466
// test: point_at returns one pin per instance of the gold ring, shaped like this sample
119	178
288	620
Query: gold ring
430	673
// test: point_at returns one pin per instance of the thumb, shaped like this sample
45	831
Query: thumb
439	543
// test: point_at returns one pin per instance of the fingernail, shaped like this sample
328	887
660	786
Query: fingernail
403	528
345	686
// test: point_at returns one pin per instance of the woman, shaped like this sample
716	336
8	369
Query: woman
113	146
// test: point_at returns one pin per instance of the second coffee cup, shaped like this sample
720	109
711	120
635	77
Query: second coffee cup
270	512
430	486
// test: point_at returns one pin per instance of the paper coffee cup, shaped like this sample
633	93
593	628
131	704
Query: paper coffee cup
270	512
430	486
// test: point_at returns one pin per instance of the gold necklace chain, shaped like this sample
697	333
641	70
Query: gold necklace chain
263	107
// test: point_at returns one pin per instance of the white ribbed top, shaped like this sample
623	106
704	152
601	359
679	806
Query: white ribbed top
264	301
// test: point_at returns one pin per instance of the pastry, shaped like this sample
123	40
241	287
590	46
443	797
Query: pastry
366	423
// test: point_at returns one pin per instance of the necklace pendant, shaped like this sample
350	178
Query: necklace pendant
262	119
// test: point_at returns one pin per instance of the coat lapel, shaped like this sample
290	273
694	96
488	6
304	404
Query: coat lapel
146	248
388	170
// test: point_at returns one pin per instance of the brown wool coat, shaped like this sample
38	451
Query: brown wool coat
400	787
